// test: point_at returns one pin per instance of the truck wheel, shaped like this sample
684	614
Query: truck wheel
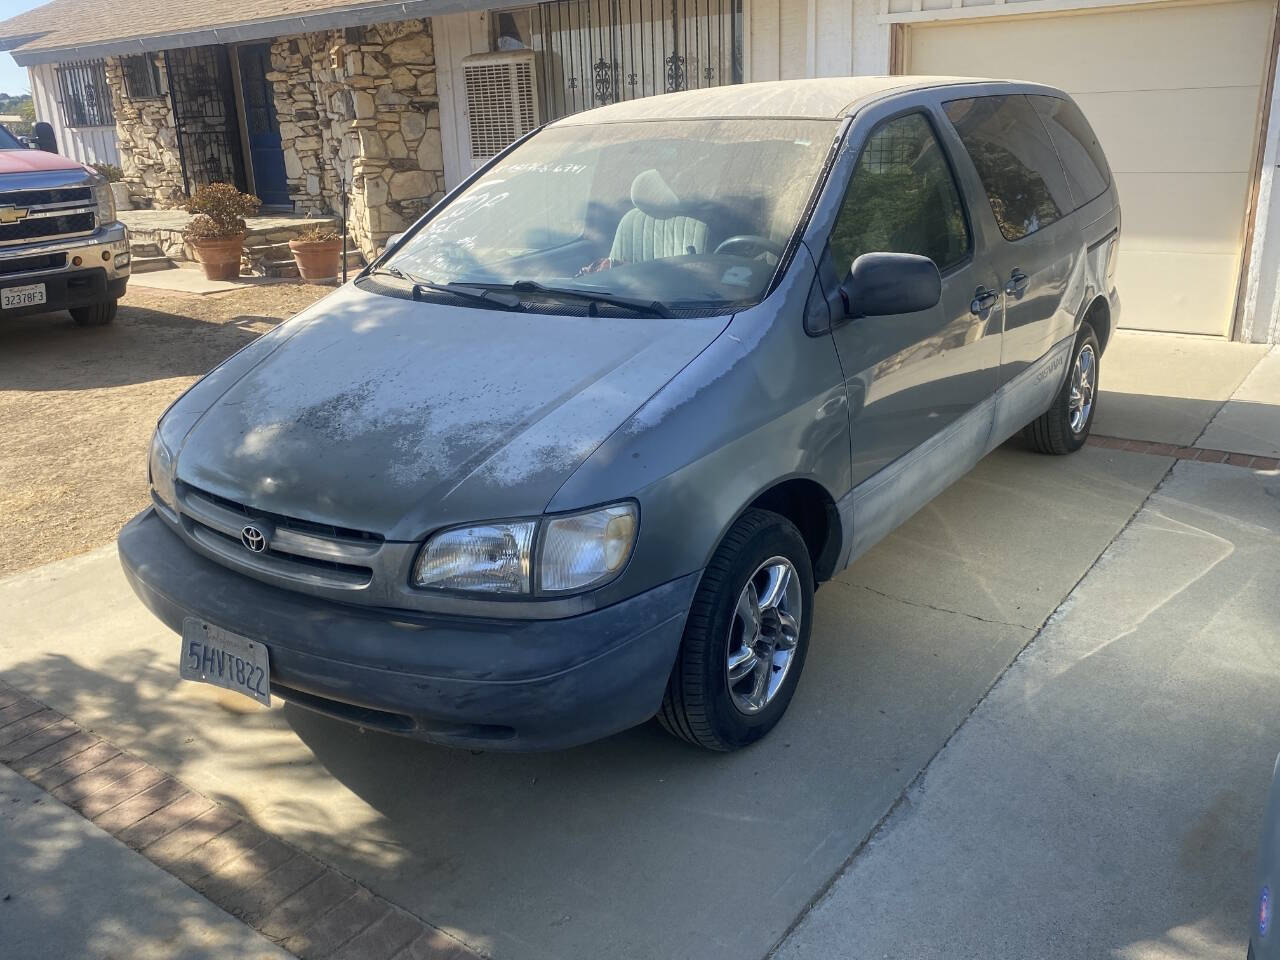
95	315
746	637
1065	427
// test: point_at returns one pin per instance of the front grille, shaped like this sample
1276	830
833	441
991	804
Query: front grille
292	523
42	228
299	552
41	198
287	565
49	261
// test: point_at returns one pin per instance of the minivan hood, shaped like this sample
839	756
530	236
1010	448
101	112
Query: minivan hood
396	417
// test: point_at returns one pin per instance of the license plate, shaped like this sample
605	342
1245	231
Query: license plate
213	655
28	296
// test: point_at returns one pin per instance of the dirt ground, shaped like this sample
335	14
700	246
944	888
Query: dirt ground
77	407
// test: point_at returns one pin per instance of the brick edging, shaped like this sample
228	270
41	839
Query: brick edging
1199	454
290	897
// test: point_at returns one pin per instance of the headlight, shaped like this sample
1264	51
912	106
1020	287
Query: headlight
586	549
493	558
575	552
105	202
160	472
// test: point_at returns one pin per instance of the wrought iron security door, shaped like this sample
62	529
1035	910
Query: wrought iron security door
204	110
596	52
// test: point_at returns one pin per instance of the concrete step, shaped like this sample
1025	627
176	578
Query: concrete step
145	248
148	264
268	251
279	268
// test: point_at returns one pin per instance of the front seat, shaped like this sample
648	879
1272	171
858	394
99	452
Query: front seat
655	228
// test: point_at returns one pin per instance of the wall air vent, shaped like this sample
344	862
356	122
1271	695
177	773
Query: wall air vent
502	100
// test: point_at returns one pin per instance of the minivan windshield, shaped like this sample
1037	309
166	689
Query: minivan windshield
684	214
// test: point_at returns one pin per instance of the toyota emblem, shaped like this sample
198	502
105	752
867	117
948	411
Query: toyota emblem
254	540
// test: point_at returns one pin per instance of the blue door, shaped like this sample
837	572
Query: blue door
265	152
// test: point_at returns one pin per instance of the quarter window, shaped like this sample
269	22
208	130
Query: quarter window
1015	160
902	198
1077	146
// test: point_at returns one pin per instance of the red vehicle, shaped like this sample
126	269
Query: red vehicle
61	246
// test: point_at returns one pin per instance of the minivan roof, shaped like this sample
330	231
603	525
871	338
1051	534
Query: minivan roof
825	98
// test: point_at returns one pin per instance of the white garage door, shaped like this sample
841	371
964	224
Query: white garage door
1173	93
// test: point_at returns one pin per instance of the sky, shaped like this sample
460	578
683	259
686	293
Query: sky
13	78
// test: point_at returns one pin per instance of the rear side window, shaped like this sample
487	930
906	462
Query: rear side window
1078	147
902	198
1015	160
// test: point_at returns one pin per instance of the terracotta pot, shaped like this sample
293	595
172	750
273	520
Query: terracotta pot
220	256
318	260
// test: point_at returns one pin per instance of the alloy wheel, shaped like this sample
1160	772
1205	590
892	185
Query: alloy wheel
763	634
1084	381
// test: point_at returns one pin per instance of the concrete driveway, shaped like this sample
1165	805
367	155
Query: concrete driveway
640	846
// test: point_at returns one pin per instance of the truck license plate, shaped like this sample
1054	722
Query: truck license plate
213	655
27	296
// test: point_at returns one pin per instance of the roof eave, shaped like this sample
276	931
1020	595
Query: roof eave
373	12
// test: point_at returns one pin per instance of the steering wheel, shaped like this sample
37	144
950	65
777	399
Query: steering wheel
754	244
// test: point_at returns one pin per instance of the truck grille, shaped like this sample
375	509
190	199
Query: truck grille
44	198
47	227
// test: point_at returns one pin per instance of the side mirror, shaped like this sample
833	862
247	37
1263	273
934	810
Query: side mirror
44	137
392	241
882	284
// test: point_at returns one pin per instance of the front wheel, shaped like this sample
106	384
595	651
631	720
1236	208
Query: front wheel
95	315
1065	426
746	637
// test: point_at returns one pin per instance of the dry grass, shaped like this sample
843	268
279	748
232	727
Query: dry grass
77	408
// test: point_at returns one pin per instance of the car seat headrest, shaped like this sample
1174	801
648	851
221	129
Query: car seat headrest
652	196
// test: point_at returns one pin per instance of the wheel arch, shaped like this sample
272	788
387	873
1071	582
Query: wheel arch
1098	315
807	504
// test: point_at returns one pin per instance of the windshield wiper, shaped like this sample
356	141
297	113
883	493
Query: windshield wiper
636	304
489	297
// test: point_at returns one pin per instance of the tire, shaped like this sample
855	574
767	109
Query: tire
701	703
1053	432
95	315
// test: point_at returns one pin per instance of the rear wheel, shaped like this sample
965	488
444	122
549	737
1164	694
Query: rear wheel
746	637
95	315
1065	427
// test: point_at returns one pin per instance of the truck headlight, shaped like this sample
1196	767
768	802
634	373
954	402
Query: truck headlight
574	552
105	201
160	472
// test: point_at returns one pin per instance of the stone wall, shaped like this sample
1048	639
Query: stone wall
359	106
148	142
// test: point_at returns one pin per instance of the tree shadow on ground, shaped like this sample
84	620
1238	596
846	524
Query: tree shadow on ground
50	352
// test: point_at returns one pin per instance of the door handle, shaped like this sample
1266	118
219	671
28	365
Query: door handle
1017	284
983	300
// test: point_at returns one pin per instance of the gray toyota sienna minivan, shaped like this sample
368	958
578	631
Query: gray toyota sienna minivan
578	447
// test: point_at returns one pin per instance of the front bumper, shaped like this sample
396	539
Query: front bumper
101	274
485	683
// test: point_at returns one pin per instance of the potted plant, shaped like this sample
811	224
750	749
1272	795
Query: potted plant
317	251
119	189
216	232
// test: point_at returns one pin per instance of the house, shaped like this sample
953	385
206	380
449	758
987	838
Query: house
396	101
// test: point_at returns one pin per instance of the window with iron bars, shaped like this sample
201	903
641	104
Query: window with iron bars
141	77
86	98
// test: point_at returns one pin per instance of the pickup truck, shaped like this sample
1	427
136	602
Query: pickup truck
61	246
